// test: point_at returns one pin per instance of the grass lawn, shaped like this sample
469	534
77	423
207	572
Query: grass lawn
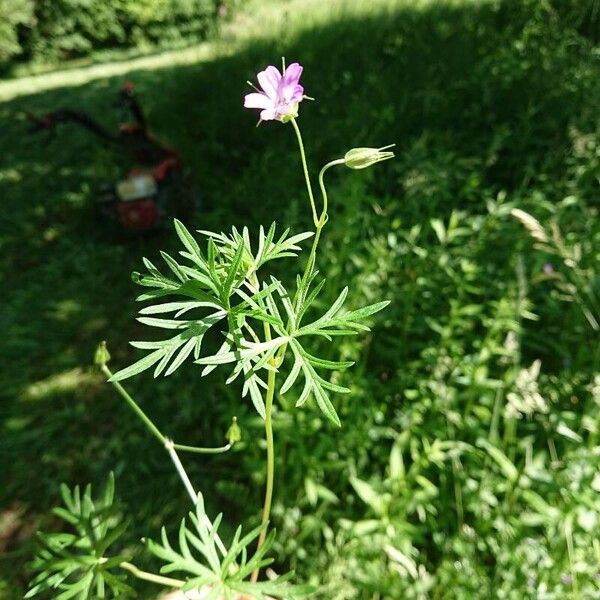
491	105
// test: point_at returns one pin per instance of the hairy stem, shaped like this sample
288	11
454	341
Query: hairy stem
270	462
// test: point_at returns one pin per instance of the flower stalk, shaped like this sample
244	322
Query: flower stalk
311	196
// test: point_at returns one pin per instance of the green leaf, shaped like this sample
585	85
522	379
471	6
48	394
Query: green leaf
251	350
73	565
183	354
369	495
198	558
291	378
363	313
178	307
506	466
313	384
172	264
567	432
138	367
187	239
327	364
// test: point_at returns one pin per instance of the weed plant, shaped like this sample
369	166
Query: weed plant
466	466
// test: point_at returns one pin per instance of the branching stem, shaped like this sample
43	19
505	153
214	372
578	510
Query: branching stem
170	448
153	428
319	222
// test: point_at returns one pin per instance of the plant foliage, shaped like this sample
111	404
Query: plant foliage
76	564
224	282
226	574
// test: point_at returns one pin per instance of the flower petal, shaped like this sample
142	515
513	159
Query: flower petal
256	100
269	81
292	74
292	93
269	114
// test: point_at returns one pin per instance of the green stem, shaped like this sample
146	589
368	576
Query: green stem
170	448
270	463
167	581
200	450
312	257
306	174
153	428
320	223
333	163
568	530
134	405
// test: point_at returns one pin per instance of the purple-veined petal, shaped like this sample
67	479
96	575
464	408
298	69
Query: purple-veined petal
292	93
256	100
269	81
292	74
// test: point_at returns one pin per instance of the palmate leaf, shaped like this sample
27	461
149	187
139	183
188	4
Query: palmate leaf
198	560
332	322
268	248
208	284
223	282
173	350
335	322
314	385
249	358
76	565
287	324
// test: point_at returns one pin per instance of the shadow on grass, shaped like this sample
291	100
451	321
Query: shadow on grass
472	112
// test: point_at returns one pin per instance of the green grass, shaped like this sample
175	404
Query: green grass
491	104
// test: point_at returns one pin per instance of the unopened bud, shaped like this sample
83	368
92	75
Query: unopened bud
361	158
234	433
102	355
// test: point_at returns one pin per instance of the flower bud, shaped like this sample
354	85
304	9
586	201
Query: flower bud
234	433
361	158
102	355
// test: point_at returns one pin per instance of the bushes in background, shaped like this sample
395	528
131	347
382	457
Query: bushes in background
14	14
51	30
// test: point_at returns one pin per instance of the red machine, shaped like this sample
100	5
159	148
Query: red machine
154	187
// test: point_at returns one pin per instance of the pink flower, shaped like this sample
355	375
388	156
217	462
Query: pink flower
280	93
